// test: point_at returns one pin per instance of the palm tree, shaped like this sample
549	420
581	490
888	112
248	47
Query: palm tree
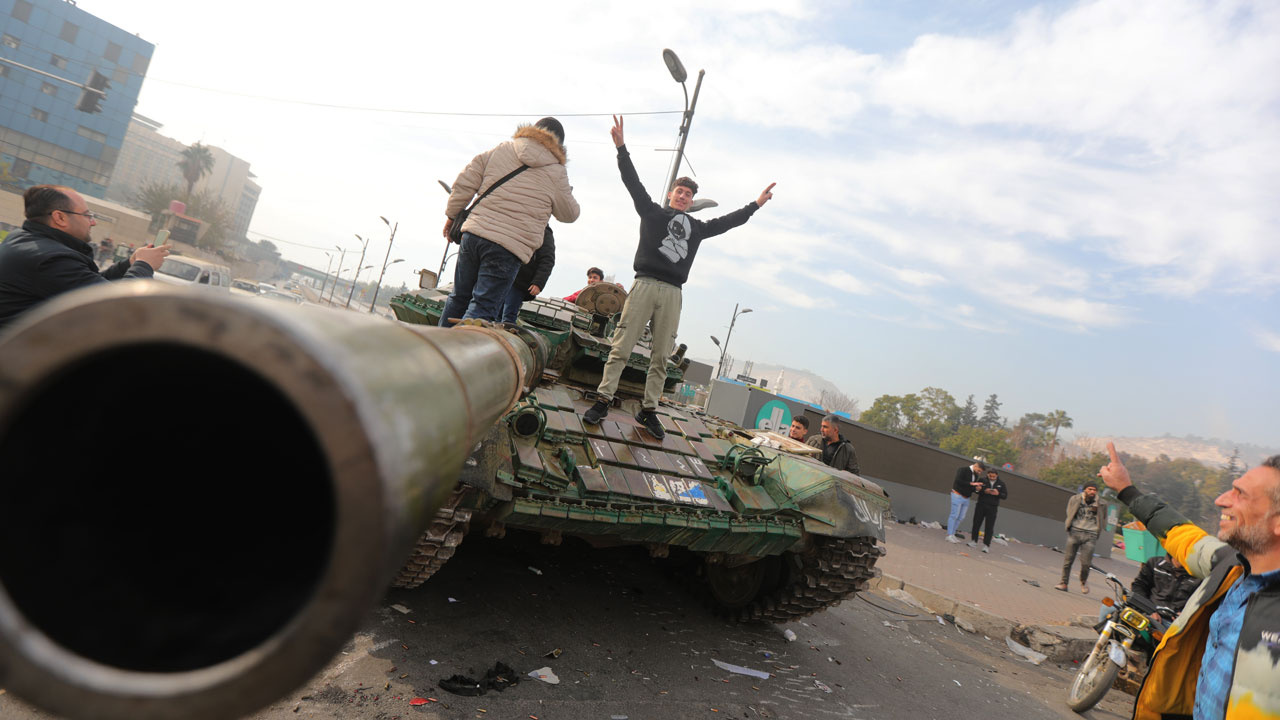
196	162
1057	419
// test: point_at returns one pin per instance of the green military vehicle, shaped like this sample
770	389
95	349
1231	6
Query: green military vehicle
765	534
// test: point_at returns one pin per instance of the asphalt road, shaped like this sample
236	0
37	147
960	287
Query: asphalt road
634	644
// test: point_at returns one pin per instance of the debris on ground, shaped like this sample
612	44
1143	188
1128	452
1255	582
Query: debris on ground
500	677
1032	583
553	654
789	634
534	570
1026	653
904	597
965	625
957	682
401	609
453	600
462	685
546	675
821	686
741	670
931	525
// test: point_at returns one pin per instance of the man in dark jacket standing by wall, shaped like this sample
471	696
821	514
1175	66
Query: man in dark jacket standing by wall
51	254
1083	526
967	479
837	452
990	494
669	240
531	278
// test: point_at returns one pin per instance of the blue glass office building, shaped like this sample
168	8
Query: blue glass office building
43	137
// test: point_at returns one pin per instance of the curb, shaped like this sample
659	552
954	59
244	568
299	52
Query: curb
1062	643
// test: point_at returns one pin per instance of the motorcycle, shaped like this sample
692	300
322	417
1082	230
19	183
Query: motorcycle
1127	636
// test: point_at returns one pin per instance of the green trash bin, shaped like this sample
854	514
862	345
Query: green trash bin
1140	545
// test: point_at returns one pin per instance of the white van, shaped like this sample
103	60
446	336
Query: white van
181	270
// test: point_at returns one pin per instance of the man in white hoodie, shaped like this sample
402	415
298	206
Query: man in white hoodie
502	232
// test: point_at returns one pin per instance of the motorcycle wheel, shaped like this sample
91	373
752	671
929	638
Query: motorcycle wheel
1096	675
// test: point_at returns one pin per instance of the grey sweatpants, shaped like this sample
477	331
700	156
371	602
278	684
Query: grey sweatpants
650	301
1081	542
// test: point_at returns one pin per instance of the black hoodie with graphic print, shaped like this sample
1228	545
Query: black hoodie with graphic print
669	239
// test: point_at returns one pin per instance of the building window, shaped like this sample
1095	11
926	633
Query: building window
10	41
22	11
20	167
39	114
113	52
140	63
83	131
4	71
58	61
69	31
49	89
119	76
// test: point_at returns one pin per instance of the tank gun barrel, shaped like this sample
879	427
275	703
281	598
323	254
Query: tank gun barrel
203	495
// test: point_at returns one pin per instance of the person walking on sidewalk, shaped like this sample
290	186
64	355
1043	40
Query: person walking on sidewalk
1218	659
669	240
1083	526
991	491
968	479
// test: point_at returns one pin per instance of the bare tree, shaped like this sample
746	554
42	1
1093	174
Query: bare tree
836	401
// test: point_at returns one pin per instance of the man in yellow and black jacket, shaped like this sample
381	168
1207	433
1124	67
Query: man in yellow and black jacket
1220	660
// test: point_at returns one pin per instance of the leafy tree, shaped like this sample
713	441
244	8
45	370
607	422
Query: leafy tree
971	441
885	414
1031	431
969	413
196	162
154	198
1057	419
991	414
1074	473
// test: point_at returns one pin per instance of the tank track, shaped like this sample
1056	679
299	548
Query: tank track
437	544
830	571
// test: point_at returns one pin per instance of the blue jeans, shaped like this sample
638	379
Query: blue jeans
481	279
511	306
959	506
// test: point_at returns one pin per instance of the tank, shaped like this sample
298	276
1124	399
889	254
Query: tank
759	533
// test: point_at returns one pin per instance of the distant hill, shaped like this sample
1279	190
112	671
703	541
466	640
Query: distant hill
1208	451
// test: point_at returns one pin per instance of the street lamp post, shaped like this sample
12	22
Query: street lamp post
725	348
337	275
375	290
679	75
327	268
356	277
390	242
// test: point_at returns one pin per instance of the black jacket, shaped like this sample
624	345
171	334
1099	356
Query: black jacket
992	500
538	270
669	239
964	476
39	262
839	454
1165	584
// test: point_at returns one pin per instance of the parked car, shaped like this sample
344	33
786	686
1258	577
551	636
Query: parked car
181	270
245	287
284	296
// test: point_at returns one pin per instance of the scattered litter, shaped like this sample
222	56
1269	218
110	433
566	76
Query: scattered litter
940	620
401	609
546	675
741	670
419	701
931	525
553	654
499	677
949	617
1032	583
1015	557
453	600
905	597
1027	653
534	570
899	626
965	625
957	682
619	717
999	540
461	685
821	686
789	634
433	662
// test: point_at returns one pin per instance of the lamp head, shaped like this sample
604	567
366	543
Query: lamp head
674	66
714	340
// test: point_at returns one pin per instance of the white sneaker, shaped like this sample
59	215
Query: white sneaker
986	548
973	544
953	539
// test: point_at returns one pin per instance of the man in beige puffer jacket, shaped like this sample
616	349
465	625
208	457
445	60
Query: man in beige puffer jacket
502	233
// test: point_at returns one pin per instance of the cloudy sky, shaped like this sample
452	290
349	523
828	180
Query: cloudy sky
1071	204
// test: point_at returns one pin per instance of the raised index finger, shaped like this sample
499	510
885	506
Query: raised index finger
1111	448
770	188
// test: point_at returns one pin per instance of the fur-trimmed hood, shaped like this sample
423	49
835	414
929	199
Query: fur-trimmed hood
542	138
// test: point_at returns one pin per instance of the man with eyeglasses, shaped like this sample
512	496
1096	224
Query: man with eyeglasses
51	254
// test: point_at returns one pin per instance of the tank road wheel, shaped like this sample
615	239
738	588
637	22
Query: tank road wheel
437	544
797	584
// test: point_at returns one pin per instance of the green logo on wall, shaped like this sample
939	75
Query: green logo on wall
774	415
